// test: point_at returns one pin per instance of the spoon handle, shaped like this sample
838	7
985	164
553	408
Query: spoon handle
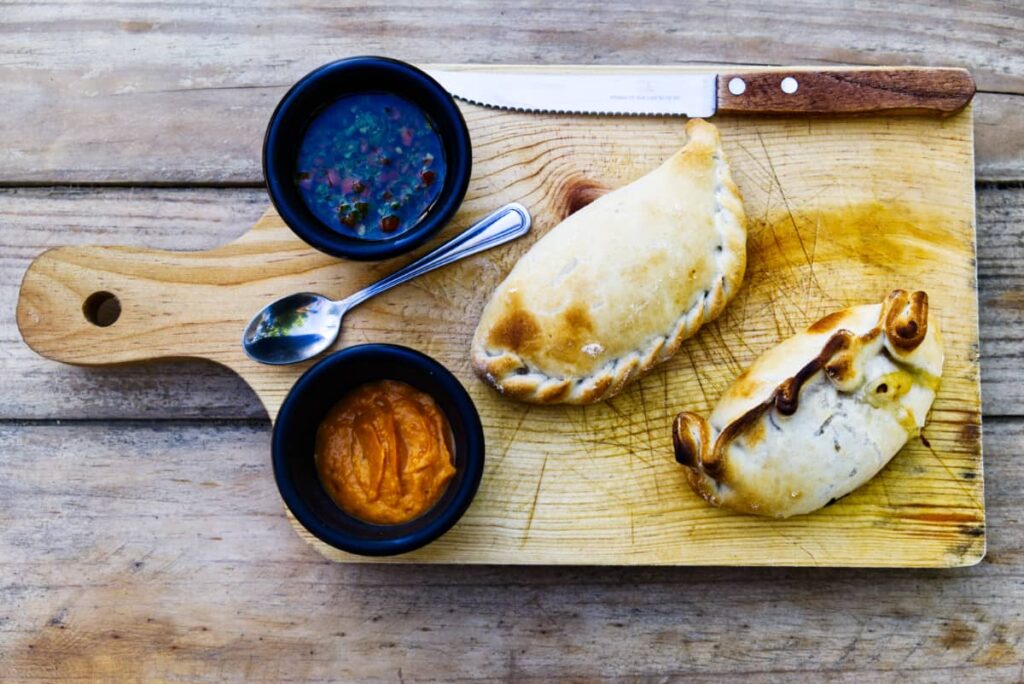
507	223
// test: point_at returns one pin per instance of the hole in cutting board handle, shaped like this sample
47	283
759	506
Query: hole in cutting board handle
102	308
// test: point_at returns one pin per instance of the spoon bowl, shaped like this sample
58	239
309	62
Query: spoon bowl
292	329
301	326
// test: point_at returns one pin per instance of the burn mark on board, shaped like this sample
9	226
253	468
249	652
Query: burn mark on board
969	434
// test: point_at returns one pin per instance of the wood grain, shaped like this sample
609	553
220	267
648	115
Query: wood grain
161	553
34	219
1001	280
179	92
173	92
907	90
817	200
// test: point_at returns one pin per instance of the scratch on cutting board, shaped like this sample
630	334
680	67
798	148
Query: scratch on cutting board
664	388
731	362
963	488
601	442
787	281
533	506
814	252
883	481
775	318
757	161
583	437
696	374
609	403
796	542
647	425
511	441
624	501
712	354
792	220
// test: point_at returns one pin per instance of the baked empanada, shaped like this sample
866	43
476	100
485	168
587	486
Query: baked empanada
617	286
820	414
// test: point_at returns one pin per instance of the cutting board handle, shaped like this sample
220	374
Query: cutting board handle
906	90
102	305
95	305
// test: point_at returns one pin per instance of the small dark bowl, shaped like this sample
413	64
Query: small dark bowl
323	86
295	434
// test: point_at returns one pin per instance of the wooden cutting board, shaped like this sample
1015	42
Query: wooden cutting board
842	209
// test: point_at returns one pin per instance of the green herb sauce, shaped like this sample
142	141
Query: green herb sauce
370	165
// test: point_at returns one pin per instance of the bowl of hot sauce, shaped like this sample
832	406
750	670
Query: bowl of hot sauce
378	450
366	157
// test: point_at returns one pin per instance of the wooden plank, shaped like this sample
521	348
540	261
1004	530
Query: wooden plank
816	194
33	219
998	122
513	624
175	92
1001	298
159	552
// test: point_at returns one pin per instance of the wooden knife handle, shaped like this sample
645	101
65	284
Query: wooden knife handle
904	91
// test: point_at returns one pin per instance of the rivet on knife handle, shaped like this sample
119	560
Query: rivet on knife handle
906	90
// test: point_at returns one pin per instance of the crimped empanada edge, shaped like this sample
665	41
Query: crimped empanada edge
511	375
903	320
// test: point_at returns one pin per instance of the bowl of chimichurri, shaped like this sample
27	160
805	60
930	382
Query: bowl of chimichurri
366	158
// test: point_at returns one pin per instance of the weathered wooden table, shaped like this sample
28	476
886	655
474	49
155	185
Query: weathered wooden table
141	535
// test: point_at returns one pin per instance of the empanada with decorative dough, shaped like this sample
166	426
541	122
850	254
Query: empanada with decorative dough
617	286
820	414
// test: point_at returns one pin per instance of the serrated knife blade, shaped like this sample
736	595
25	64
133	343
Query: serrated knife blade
792	90
647	94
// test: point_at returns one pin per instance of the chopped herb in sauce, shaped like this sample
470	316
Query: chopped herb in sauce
370	165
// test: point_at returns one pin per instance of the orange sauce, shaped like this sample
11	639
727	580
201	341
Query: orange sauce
384	453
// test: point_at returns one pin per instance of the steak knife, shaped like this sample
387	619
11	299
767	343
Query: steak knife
666	92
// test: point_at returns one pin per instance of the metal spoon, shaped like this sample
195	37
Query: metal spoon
300	326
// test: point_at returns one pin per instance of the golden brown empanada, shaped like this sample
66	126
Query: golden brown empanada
820	414
616	287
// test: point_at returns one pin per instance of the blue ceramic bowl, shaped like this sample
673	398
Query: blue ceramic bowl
323	86
307	404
